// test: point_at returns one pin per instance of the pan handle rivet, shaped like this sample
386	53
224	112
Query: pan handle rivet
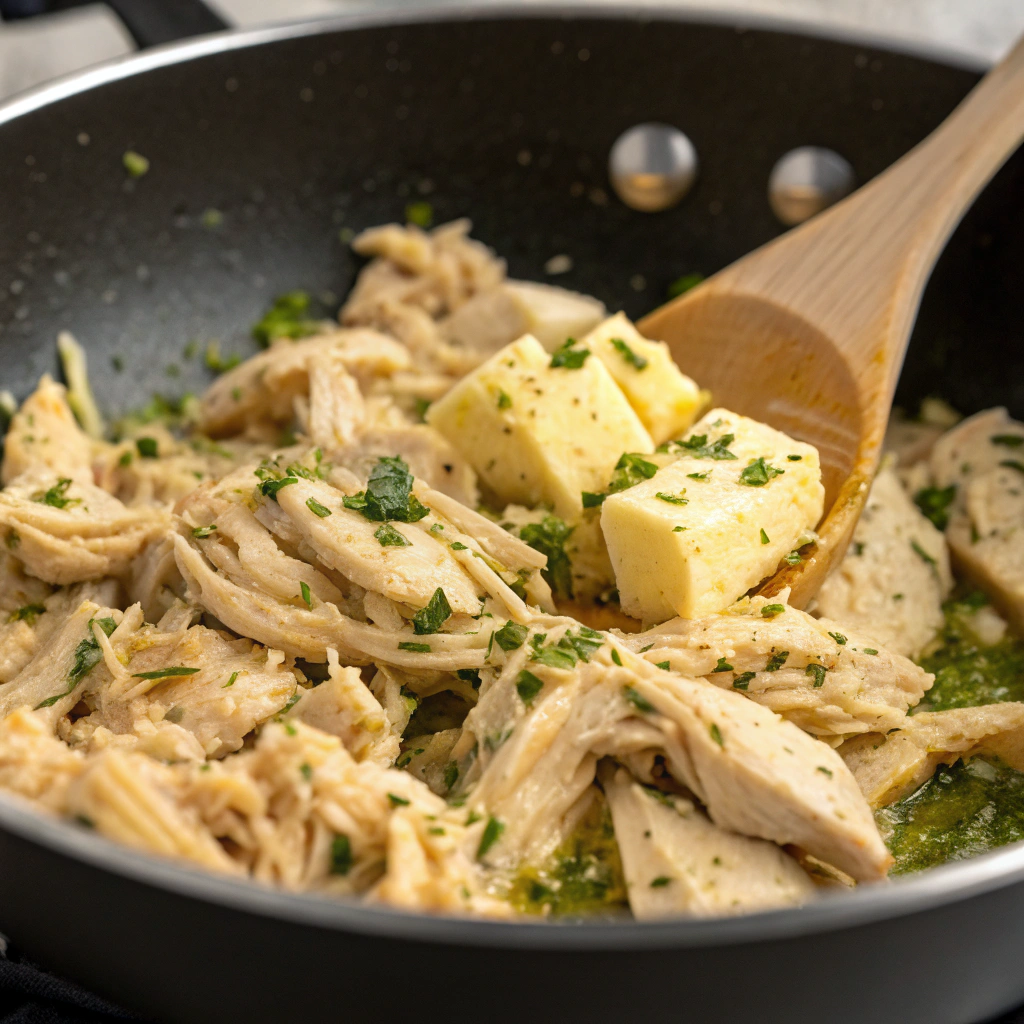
652	166
805	181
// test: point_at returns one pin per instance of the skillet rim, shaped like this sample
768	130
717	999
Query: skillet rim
933	889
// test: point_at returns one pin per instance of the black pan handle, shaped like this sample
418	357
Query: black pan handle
148	22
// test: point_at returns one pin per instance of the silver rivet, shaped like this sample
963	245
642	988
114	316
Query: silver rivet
652	166
807	180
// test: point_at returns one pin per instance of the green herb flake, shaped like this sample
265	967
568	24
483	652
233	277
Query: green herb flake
388	495
397	801
341	855
203	531
504	401
769	611
794	458
135	163
869	650
414	648
838	637
637	362
147	447
638	700
568	357
431	618
793	558
673	499
722	666
286	318
231	681
616	657
556	657
125	459
696	446
511	636
1007	440
491	834
934	502
388	537
776	661
270	488
55	497
679	529
451	774
549	537
528	686
665	666
660	882
716	734
764	537
306	771
758	473
591	499
27	613
683	284
924	556
817	673
458	546
742	681
699	476
824	771
307	595
317	509
166	673
631	469
420	213
87	655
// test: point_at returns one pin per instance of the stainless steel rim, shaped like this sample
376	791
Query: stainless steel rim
931	890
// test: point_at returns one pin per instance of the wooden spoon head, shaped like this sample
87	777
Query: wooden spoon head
764	361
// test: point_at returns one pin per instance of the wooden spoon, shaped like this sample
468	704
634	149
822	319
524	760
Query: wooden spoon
808	332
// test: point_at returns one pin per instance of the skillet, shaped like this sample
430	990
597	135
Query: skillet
299	134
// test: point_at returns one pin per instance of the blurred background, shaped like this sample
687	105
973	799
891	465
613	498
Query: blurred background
35	50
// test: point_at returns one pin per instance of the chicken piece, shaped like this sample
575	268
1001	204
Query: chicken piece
430	457
49	683
981	457
678	863
343	706
757	774
135	800
817	674
67	531
336	409
889	767
895	575
45	436
33	762
154	580
494	318
260	394
407	571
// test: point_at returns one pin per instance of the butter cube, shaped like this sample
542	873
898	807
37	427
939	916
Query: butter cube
537	433
665	399
713	523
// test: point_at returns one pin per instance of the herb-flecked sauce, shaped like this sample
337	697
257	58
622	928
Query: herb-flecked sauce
582	877
967	808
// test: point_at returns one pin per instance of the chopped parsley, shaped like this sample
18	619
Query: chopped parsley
231	681
306	771
665	666
1007	440
630	470
27	613
216	362
431	618
457	545
758	473
817	673
555	657
389	537
869	650
697	447
794	458
742	681
764	537
469	675
414	648
286	318
716	734
793	558
54	497
824	771
528	686
673	499
660	882
616	657
722	666
924	556
269	488
397	801
87	655
135	163
638	700
569	357
388	495
838	637
776	661
420	213
769	611
637	362
147	447
683	284
166	673
491	834
934	502
504	401
451	774
511	636
549	537
591	499
699	476
203	531
341	855
307	596
1013	464
317	509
